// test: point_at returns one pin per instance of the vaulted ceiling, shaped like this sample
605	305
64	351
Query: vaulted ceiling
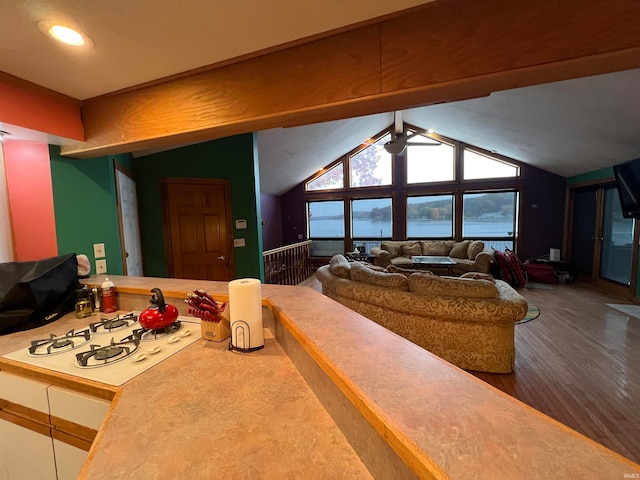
567	128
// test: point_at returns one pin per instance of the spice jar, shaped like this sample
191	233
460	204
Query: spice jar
83	303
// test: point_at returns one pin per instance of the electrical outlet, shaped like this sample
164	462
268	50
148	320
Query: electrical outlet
101	266
238	242
98	250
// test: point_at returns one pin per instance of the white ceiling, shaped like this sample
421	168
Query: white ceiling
567	128
137	41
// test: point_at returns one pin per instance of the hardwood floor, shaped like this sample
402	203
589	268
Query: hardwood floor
579	363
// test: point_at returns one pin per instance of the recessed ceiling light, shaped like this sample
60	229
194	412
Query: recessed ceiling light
431	130
65	34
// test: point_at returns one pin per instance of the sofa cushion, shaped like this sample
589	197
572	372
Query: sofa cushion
460	249
439	248
406	271
370	266
391	248
395	281
478	276
411	249
433	285
475	248
339	266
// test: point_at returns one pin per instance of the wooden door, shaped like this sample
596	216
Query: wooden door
129	225
198	229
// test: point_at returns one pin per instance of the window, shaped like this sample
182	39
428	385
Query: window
490	217
430	216
371	166
371	218
427	164
326	227
477	166
331	179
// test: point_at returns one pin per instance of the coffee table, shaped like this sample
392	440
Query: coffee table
430	261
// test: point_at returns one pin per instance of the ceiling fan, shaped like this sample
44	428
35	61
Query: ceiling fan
398	143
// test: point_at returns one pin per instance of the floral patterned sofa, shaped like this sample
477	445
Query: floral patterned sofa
469	255
466	321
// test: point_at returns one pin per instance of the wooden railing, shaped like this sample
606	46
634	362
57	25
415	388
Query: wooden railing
288	265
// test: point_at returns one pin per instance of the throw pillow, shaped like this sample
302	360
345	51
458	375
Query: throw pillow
406	271
411	250
395	281
460	249
475	248
438	248
340	266
433	285
478	276
390	248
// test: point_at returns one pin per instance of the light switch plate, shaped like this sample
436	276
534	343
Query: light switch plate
98	250
238	242
241	224
101	266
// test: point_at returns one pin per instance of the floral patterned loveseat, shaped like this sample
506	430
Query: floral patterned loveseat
466	321
469	255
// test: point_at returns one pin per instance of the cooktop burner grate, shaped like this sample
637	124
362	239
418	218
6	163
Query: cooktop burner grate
100	356
146	334
113	324
54	345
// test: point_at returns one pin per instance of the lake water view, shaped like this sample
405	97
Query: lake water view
327	228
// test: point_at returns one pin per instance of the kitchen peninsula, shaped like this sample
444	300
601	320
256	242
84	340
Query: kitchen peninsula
207	412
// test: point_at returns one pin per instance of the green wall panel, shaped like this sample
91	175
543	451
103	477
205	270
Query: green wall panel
84	198
602	174
232	158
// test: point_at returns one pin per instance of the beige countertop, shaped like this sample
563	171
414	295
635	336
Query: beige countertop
198	410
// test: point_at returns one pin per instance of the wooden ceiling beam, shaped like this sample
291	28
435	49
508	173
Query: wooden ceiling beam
448	50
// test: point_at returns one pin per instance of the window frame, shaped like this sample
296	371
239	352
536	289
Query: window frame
444	140
491	155
324	170
451	194
400	190
356	151
516	216
359	198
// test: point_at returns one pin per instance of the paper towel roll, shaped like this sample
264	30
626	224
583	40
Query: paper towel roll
245	302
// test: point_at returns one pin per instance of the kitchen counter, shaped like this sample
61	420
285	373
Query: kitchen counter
207	412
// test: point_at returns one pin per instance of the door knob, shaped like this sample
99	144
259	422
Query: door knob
221	257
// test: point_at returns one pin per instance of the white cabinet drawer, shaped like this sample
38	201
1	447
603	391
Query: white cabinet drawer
77	407
25	392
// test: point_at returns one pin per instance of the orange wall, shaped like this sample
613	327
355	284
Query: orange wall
36	108
28	174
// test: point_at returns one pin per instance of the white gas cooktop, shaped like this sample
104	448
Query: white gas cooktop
113	352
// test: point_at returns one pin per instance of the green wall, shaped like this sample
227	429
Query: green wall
234	158
84	199
595	176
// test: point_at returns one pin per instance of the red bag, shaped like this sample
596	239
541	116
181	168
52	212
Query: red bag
517	269
505	271
541	273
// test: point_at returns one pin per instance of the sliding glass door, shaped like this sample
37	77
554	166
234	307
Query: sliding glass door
602	240
616	240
